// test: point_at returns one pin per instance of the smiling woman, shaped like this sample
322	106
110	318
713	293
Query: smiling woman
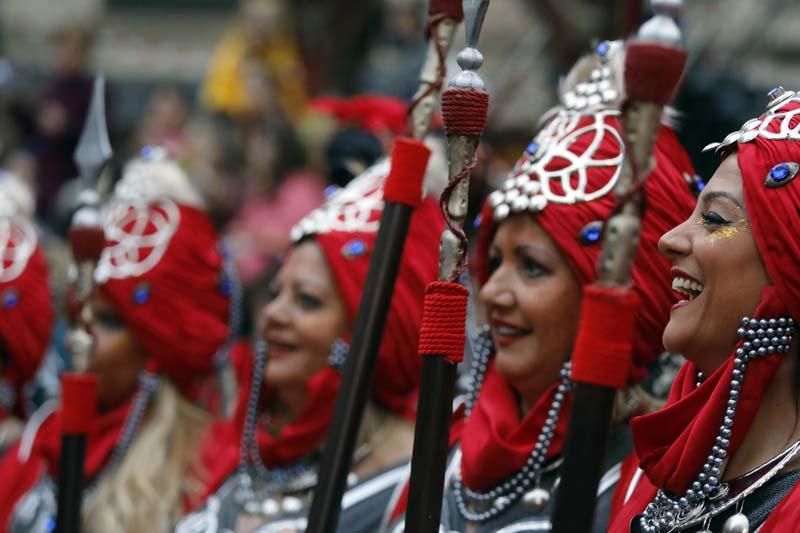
303	318
264	462
722	455
533	299
538	247
715	252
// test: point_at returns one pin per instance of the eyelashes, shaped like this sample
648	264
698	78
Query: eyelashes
528	266
711	218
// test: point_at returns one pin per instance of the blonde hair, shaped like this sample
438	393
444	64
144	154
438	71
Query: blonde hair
147	491
631	401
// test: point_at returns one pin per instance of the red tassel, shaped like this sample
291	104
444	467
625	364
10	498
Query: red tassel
451	9
465	111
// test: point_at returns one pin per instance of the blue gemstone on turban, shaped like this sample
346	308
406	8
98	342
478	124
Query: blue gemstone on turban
591	233
10	299
141	294
780	172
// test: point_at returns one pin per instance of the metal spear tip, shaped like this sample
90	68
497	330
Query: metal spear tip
94	148
474	14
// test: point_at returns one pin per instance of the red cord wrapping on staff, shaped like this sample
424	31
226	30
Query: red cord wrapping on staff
464	111
444	317
604	348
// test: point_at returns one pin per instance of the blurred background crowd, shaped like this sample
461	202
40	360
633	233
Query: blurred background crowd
268	103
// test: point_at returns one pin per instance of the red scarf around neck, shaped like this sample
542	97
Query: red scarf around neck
673	443
20	476
222	444
499	442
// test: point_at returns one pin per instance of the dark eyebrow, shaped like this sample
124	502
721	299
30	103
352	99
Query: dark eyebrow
711	195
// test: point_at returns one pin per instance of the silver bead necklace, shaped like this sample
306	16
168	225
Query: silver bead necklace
498	499
669	512
295	477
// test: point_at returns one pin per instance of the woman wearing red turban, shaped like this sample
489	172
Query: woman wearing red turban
265	472
538	247
724	453
26	309
161	314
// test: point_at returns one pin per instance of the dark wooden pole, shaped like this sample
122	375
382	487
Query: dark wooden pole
653	68
359	369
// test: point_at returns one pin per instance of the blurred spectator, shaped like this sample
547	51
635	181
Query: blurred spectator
394	61
214	164
61	114
164	123
257	44
350	152
278	191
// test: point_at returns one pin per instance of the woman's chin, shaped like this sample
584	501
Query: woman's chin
524	374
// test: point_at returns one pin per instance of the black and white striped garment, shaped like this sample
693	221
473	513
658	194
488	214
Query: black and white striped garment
363	507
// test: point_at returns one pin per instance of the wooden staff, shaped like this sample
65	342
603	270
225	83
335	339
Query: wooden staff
464	107
402	193
654	66
79	388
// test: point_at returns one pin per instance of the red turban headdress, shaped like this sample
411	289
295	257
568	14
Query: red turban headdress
346	228
26	308
162	269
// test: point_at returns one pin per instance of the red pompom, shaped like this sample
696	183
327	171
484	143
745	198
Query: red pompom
653	72
404	182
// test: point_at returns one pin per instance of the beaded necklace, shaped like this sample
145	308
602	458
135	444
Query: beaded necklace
707	494
497	500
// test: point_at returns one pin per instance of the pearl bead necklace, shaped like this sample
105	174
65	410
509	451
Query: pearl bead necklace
667	512
501	497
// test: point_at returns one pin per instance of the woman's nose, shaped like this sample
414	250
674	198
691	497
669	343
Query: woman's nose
676	242
497	290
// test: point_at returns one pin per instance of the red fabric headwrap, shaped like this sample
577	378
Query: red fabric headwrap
397	373
673	443
669	202
26	320
183	320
